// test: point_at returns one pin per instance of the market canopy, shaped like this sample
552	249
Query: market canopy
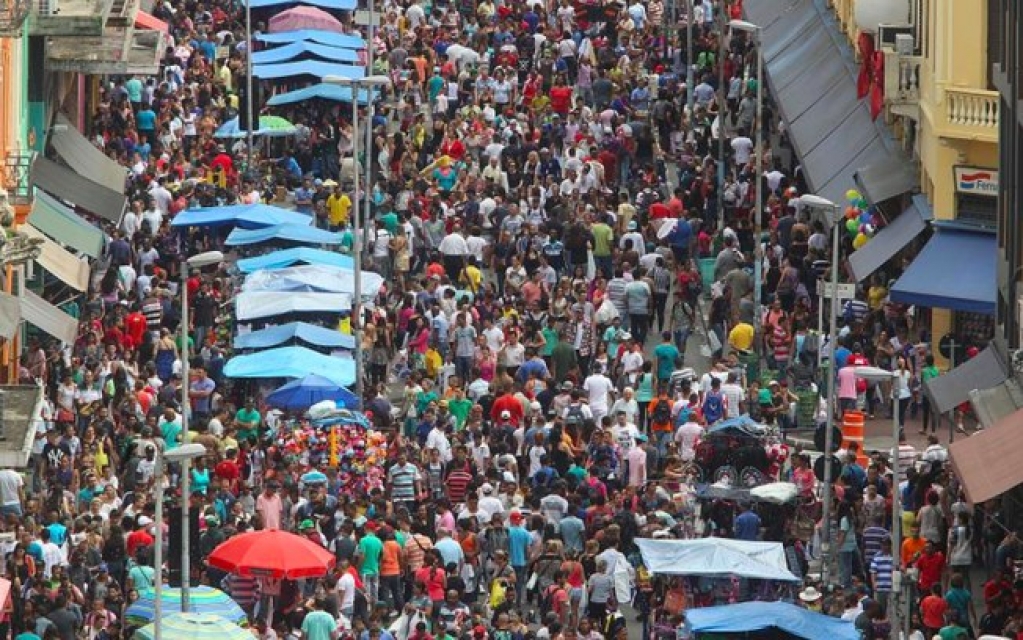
336	5
291	362
987	463
85	158
253	305
310	390
248	216
323	91
748	617
342	40
313	278
983	371
955	270
309	333
295	255
315	68
269	127
202	599
890	240
193	626
305	48
716	557
60	222
304	234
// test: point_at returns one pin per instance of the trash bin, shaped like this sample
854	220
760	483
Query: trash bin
707	274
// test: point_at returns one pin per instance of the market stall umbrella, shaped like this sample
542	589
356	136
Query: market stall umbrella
305	17
205	600
193	626
269	126
309	390
260	554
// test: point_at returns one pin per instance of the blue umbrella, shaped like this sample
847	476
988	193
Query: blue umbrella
309	390
204	600
314	477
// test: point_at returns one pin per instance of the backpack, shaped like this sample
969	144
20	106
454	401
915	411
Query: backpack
713	407
547	598
683	416
662	413
575	415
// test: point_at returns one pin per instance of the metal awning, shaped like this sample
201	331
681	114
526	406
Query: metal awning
48	318
10	315
84	158
887	179
60	222
128	51
890	240
955	270
82	192
988	462
991	405
66	266
983	371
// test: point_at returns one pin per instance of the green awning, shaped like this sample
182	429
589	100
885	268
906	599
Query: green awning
61	223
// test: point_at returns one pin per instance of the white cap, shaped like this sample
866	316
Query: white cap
487	488
145	521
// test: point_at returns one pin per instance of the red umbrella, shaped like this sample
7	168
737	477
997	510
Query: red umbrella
273	554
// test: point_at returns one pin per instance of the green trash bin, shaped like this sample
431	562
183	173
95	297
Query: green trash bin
707	274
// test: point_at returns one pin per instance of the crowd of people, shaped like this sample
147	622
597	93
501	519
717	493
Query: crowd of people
544	188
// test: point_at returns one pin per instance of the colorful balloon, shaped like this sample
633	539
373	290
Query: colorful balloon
852	195
865	218
861	203
859	240
852	226
851	212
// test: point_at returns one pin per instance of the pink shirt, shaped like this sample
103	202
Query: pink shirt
270	510
637	466
847	383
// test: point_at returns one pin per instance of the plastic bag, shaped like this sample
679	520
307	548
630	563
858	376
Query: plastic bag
322	409
606	313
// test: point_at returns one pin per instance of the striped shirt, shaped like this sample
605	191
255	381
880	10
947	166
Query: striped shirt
458	481
872	537
881	569
662	280
416	547
402	479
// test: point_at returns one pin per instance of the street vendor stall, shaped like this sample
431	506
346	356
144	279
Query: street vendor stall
781	619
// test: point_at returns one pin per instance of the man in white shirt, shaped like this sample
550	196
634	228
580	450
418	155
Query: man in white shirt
734	395
454	249
438	440
12	492
489	505
599	388
687	436
742	147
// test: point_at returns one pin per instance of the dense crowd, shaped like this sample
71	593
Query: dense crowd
568	308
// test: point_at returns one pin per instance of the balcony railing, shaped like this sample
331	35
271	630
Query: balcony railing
973	111
12	17
901	78
14	177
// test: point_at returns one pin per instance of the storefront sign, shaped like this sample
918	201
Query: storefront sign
976	181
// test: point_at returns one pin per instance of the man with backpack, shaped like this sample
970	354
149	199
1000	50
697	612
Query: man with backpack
714	403
660	420
578	412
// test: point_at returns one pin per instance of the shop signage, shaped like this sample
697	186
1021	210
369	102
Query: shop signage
976	181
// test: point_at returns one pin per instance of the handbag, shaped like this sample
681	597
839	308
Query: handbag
65	415
533	579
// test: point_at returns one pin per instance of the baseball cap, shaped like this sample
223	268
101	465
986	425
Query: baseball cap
307	524
145	521
487	488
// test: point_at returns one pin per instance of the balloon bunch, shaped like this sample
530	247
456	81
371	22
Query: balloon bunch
859	219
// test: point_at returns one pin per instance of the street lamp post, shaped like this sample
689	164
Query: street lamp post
758	214
248	85
876	374
183	454
818	202
690	98
195	262
367	83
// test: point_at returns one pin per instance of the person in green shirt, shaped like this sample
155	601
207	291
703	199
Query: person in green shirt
426	396
666	353
369	551
550	337
613	337
248	420
563	357
318	624
460	406
390	220
929	372
603	243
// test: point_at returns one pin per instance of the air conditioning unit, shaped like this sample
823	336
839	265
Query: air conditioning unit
886	35
904	44
48	7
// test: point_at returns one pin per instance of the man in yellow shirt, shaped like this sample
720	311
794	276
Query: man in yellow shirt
471	276
338	206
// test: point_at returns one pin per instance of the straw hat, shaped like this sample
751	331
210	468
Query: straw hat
810	594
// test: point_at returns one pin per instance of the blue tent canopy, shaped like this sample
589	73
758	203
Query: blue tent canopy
313	68
337	5
747	617
289	232
314	335
322	91
291	362
330	38
248	216
295	255
232	129
955	270
299	49
309	390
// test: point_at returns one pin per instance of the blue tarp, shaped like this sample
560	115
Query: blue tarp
338	5
719	557
741	426
314	335
248	216
323	91
295	255
330	38
747	617
232	129
956	270
313	68
299	49
291	362
289	232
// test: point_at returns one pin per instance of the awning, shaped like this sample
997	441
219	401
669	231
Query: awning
749	617
830	128
10	315
886	179
991	405
321	91
303	234
291	362
84	158
310	333
117	52
312	278
300	49
148	21
956	270
48	318
295	255
889	241
66	266
983	371
313	68
716	557
248	216
82	192
337	5
342	40
61	223
988	462
253	305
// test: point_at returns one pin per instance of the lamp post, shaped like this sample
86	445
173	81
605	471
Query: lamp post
248	84
690	98
367	83
876	374
835	211
195	262
183	454
758	214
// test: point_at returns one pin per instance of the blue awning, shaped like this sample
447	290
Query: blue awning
314	335
891	239
342	40
324	91
747	617
313	68
249	216
291	362
295	255
337	5
956	270
288	232
304	48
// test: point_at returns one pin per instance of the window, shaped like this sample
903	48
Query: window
980	210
